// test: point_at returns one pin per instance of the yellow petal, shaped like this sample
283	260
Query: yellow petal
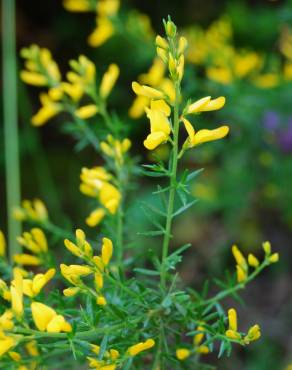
160	105
232	319
42	315
109	80
87	111
155	139
198	105
95	217
106	251
204	135
142	346
182	353
214	104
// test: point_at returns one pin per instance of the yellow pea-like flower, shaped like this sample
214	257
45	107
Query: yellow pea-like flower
161	42
182	353
253	261
42	315
95	217
109	197
232	334
27	259
6	322
159	128
70	292
87	111
49	109
2	244
147	91
73	272
232	319
108	80
103	31
33	78
72	248
203	136
203	350
106	251
206	104
274	258
46	319
139	347
241	274
6	343
239	258
199	337
267	247
101	301
254	333
40	280
16	290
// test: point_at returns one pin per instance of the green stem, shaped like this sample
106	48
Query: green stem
10	122
221	295
169	214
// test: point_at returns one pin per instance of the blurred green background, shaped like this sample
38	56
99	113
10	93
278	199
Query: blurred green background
245	190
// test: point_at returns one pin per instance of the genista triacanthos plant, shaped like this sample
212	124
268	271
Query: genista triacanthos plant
97	308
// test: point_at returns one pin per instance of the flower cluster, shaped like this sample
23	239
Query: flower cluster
158	113
253	334
96	265
113	357
242	265
35	242
106	11
96	183
78	95
213	48
198	347
34	211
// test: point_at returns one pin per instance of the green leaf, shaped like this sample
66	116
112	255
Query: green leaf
103	346
147	272
194	174
184	208
151	233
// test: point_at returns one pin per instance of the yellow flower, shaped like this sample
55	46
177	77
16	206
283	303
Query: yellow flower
95	217
239	258
82	77
267	248
70	292
6	343
103	31
2	244
101	301
267	80
253	334
32	287
232	319
95	183
159	125
87	111
253	261
78	5
16	290
222	75
33	78
6	322
182	353
27	259
203	136
142	346
147	91
206	105
232	334
46	319
42	70
31	210
108	7
32	348
108	80
35	241
73	272
115	148
4	291
274	258
106	251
